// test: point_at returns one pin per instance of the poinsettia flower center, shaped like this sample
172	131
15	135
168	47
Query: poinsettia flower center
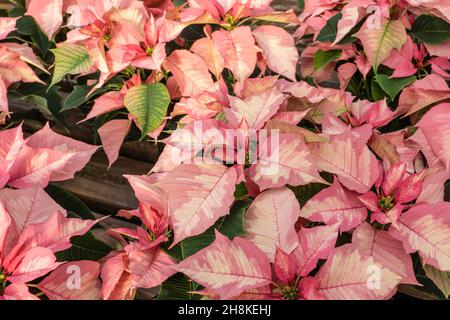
289	293
386	203
2	280
149	51
230	20
107	36
98	29
152	236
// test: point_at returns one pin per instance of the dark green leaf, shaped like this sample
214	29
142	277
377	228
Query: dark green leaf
16	12
76	98
430	29
440	278
192	245
27	26
428	286
377	91
329	31
231	226
39	101
349	38
393	86
54	104
322	58
85	247
241	190
48	102
306	192
178	287
69	202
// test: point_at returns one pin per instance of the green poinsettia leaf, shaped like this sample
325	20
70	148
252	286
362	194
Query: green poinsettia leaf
148	103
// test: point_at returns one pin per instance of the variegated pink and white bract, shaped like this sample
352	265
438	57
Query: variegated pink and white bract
33	226
331	185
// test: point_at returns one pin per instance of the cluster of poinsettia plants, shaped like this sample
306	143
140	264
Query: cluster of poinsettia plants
305	153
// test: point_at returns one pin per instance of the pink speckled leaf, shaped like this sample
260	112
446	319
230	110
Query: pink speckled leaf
238	49
148	268
35	263
347	156
169	159
53	234
349	275
14	69
302	90
36	166
333	205
314	244
333	125
384	249
363	65
7	25
254	86
284	266
270	220
108	102
48	15
205	49
278	49
190	72
439	49
26	54
345	73
350	17
376	114
433	187
5	222
27	207
410	188
11	141
379	41
400	60
261	293
393	177
286	162
147	191
256	109
78	153
288	16
425	228
198	195
116	281
4	106
435	125
77	280
113	134
17	291
422	93
282	122
228	268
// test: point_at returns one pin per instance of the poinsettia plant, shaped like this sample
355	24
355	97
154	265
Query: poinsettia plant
303	153
34	228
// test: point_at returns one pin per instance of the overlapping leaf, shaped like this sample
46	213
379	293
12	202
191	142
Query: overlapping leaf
227	268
